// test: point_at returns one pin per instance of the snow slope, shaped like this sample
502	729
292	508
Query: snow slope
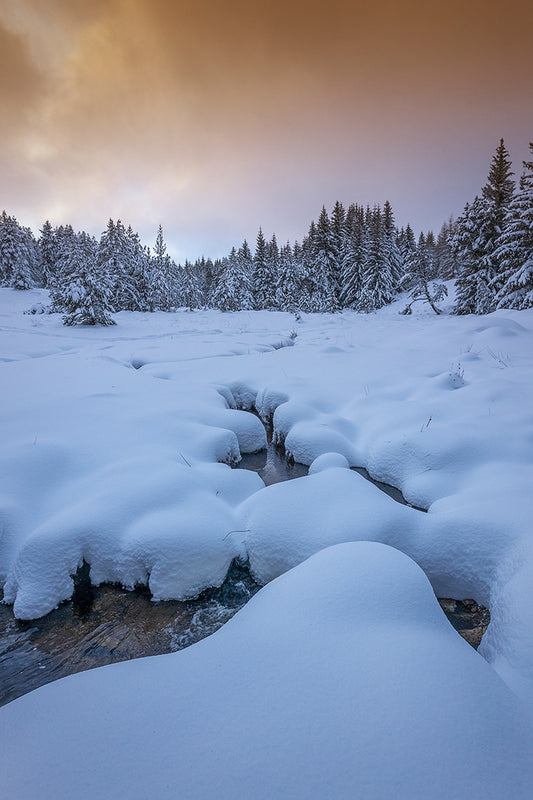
111	439
341	679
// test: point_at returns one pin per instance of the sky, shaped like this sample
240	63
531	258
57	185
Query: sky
218	117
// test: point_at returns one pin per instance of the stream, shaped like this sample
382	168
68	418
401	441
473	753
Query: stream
105	624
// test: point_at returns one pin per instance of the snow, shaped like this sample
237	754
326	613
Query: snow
340	679
116	446
328	461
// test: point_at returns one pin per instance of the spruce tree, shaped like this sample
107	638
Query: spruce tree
421	276
116	259
323	267
233	288
446	263
339	230
515	247
16	257
161	280
475	241
391	254
48	253
288	286
262	278
353	257
273	265
85	293
377	279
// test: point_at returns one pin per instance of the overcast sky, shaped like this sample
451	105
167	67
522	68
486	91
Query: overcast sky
216	117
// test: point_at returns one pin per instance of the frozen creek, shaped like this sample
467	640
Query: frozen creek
107	624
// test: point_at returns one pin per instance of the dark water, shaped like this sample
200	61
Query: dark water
272	465
105	624
392	491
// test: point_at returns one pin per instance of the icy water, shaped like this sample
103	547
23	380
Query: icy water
105	624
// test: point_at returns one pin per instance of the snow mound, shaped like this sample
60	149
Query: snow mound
328	461
287	415
157	522
267	401
250	432
243	395
308	440
340	679
288	522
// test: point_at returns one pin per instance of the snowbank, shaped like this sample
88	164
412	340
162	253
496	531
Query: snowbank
110	439
342	678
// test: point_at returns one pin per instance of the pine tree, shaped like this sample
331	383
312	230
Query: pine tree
233	288
391	254
339	230
188	291
421	277
246	263
475	241
262	278
446	263
273	265
134	297
377	279
468	246
515	247
323	267
161	282
116	259
306	260
288	286
18	261
48	253
353	257
85	293
407	249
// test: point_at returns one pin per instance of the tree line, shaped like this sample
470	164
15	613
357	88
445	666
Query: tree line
354	258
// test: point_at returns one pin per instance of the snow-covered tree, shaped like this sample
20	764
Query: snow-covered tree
420	279
262	278
161	293
48	253
446	263
288	286
85	294
406	248
322	266
339	230
18	254
353	257
515	247
233	289
468	245
391	252
187	287
118	257
475	240
376	280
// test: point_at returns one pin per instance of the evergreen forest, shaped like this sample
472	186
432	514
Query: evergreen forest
351	258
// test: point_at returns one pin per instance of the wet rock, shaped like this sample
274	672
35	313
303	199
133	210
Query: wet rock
468	618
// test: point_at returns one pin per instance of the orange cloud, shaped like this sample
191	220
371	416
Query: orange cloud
221	116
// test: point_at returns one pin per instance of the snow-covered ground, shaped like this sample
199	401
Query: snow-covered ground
342	677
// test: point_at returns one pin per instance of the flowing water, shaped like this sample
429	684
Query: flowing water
104	624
